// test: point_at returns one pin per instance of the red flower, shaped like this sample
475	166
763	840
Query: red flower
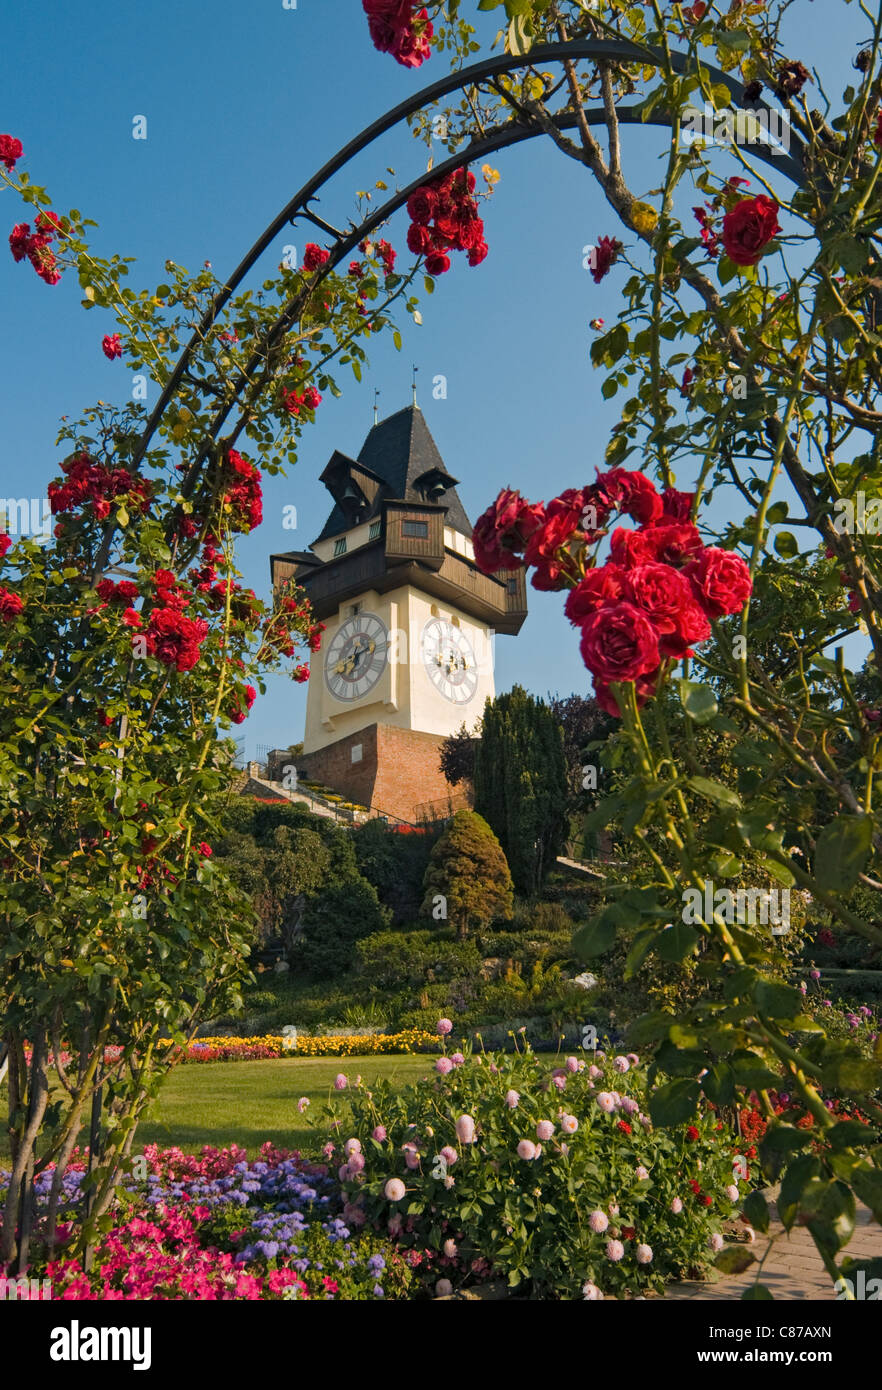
606	253
5	543
111	346
10	150
392	25
623	1126
205	850
629	492
748	228
677	506
478	253
10	605
629	1232
693	13
692	1134
599	586
547	550
174	639
123	592
501	534
628	548
419	239
721	580
673	543
314	256
422	205
705	1200
696	1186
437	263
665	596
19	240
619	643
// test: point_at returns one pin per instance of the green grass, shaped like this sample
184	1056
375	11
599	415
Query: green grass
245	1103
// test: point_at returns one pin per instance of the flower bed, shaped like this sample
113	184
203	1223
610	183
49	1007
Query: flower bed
545	1175
217	1227
350	1045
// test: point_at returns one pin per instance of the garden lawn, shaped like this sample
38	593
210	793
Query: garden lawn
247	1103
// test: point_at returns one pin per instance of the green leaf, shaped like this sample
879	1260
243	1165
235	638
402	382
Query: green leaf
828	1209
714	791
841	852
735	1259
785	545
674	1103
676	942
598	935
848	1134
776	1000
396	338
756	1210
698	700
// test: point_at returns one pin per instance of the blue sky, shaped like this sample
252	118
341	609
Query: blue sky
243	104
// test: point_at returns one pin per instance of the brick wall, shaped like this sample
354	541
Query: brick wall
398	771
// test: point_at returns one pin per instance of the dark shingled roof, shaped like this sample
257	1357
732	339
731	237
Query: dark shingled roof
399	450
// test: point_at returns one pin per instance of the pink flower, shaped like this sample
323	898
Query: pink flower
449	1181
443	1288
544	1129
644	1254
511	1099
614	1250
526	1149
598	1221
340	1082
633	1059
379	1133
444	1026
591	1292
716	1241
302	1103
569	1124
457	1059
621	1064
444	1065
560	1082
449	1154
465	1129
450	1249
607	1102
676	1206
732	1192
111	346
411	1158
394	1190
641	1174
594	1072
573	1064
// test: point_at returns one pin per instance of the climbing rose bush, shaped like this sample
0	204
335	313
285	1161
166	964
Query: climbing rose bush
487	1159
656	595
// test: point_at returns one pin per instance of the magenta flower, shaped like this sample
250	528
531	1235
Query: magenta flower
573	1064
379	1133
449	1154
302	1103
444	1065
457	1059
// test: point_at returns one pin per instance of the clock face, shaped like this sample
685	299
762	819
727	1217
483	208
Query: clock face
356	656
449	661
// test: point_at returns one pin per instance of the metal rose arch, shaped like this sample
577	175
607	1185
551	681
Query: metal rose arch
511	133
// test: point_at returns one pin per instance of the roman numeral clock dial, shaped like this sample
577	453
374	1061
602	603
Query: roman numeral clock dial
449	661
356	656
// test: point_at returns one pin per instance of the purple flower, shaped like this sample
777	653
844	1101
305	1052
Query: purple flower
457	1059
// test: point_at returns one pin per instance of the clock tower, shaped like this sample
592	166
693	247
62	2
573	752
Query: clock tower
407	655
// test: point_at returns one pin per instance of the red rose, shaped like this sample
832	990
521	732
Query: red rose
677	506
721	580
314	256
205	850
623	1126
600	586
19	240
674	543
437	263
619	643
10	605
692	1134
629	548
547	550
629	1232
111	346
661	593
174	639
606	253
748	228
10	150
632	493
419	239
422	205
501	534
5	543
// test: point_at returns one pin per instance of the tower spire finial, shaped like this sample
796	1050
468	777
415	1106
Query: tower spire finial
376	399
413	383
